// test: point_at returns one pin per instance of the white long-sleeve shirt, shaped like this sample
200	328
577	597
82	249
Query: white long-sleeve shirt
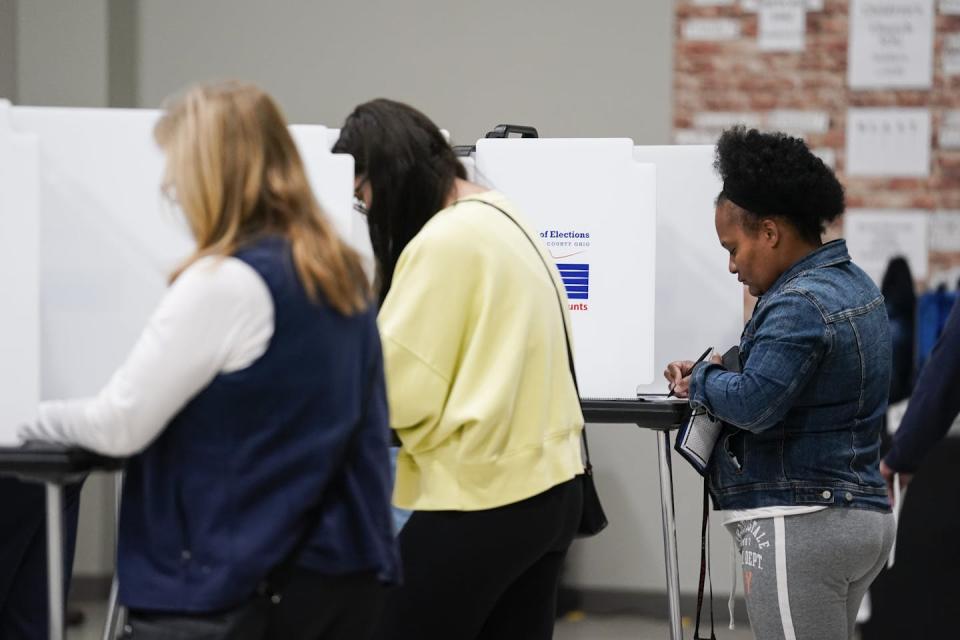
216	318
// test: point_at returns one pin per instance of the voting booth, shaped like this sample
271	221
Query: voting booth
631	230
87	242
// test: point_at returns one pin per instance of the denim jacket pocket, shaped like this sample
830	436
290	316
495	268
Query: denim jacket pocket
733	451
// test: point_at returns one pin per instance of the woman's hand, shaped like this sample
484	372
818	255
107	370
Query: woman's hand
888	474
678	375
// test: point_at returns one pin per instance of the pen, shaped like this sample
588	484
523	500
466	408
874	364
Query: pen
699	360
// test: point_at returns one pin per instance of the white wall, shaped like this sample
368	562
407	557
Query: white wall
62	53
572	68
8	49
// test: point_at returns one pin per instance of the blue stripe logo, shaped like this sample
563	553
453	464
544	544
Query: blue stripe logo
576	280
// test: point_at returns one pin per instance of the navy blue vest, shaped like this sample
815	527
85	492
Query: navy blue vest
224	494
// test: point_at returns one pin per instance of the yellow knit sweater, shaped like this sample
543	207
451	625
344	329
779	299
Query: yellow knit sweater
479	387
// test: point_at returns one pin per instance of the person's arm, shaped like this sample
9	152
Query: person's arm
790	340
217	316
934	404
423	323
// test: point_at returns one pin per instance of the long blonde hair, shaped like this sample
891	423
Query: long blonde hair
237	175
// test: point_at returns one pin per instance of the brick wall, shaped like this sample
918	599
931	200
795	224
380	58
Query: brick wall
736	76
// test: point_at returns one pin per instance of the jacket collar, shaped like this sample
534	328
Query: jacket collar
828	255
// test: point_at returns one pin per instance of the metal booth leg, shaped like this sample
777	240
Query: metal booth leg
115	613
669	533
55	559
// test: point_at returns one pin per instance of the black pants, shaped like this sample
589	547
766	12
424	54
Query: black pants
314	607
483	574
23	556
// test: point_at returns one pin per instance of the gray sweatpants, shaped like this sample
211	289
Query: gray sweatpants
805	575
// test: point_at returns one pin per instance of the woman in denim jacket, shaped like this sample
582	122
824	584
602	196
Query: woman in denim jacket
796	468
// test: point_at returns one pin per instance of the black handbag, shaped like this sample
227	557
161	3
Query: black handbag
592	518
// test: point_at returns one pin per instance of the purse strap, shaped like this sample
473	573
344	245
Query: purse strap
705	573
587	467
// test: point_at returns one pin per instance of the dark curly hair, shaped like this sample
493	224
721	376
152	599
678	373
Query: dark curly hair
772	175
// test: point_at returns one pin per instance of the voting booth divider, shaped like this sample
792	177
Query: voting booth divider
87	241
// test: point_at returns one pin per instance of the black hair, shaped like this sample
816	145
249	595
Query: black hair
773	175
411	169
897	287
901	304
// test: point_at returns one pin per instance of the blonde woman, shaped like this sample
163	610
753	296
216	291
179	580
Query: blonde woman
253	405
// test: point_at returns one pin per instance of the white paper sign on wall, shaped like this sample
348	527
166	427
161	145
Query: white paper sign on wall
751	6
950	55
781	25
948	135
950	7
796	121
888	142
891	44
875	236
945	231
711	29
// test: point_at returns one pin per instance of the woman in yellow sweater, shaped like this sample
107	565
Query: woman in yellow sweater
480	391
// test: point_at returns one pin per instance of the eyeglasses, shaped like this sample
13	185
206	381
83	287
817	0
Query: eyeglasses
358	204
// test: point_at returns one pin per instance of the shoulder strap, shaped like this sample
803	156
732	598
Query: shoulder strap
705	573
563	316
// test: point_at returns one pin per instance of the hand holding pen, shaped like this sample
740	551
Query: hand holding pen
678	374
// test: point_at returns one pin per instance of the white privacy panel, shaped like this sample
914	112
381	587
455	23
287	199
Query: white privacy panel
19	279
109	239
595	208
699	302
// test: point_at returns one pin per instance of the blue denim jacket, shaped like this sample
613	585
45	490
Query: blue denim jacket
803	417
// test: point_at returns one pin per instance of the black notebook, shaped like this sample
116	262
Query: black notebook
698	435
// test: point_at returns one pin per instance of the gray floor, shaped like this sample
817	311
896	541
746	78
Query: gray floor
92	628
587	628
634	628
